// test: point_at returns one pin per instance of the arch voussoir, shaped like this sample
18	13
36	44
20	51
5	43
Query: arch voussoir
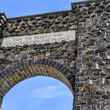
29	68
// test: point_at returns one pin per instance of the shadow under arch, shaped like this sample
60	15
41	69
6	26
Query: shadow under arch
22	70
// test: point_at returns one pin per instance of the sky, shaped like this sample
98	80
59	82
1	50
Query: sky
38	93
13	8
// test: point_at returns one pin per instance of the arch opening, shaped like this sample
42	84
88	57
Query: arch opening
43	93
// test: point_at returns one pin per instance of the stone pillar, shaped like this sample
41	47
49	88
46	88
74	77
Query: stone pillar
94	58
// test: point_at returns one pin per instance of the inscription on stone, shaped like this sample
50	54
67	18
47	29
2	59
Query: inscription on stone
38	38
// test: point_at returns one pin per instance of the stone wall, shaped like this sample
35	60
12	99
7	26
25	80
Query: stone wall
59	52
93	62
36	24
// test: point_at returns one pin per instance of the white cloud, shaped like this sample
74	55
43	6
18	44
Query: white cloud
47	92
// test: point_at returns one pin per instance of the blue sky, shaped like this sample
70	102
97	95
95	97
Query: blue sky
39	93
14	8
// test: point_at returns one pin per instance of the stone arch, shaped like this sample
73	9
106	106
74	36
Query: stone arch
28	68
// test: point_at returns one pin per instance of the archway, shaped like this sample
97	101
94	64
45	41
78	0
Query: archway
38	93
34	67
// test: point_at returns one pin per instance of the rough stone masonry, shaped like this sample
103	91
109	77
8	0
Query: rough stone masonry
75	43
